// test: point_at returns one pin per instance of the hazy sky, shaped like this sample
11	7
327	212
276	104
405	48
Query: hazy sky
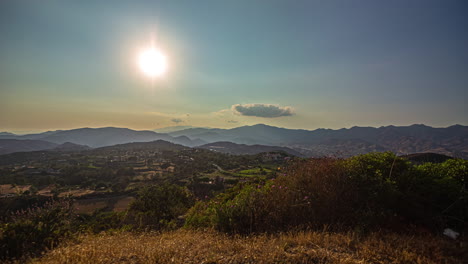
296	64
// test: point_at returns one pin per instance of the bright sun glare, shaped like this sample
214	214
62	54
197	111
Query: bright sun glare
152	62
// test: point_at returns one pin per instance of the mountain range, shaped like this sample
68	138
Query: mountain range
452	141
15	145
100	137
344	142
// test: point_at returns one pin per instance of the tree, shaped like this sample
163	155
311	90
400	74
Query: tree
158	205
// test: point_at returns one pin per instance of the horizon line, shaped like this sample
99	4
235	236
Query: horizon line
29	132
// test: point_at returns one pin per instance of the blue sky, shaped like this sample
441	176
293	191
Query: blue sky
332	64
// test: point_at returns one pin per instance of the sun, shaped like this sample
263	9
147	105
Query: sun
152	62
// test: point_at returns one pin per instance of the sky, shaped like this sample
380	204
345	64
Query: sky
297	64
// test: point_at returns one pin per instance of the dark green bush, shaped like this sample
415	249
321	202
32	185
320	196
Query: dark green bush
375	190
308	194
158	206
442	192
28	232
104	221
378	181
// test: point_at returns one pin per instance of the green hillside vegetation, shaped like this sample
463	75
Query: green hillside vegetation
375	208
377	190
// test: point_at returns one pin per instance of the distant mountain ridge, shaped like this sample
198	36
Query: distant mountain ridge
15	145
156	144
172	129
452	140
26	145
68	146
100	137
345	142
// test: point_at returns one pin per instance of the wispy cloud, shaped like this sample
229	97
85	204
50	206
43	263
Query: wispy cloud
224	113
177	120
262	110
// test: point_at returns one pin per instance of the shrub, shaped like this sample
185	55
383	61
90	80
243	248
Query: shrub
375	190
441	190
104	221
308	194
28	232
158	206
377	180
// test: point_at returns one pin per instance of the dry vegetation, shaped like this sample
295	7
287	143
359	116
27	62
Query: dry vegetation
183	246
116	204
13	189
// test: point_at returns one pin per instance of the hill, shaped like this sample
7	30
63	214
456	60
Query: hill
13	145
242	149
427	157
160	145
68	146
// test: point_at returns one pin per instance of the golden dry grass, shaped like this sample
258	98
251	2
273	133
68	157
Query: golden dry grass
76	193
47	191
11	189
210	247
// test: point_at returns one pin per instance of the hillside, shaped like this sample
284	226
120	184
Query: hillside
160	145
421	158
68	146
242	149
14	145
159	202
211	247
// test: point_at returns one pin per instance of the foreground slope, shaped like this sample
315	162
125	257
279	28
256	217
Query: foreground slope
300	247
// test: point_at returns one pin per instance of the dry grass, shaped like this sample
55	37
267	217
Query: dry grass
10	189
116	203
210	247
123	204
76	193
